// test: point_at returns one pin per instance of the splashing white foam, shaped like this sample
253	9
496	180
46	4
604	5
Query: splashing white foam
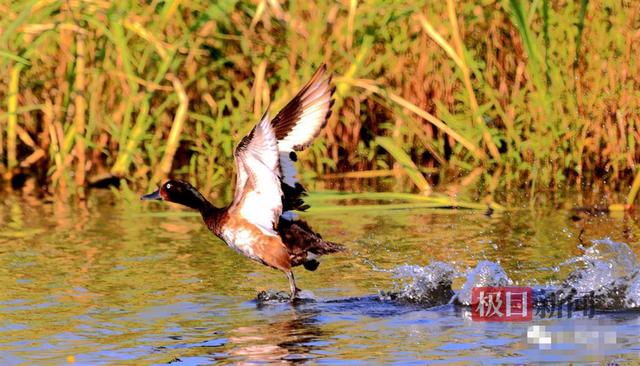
632	298
429	285
610	270
486	273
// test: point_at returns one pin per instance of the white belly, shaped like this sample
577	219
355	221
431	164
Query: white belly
242	241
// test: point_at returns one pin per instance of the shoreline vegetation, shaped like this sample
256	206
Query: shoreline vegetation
489	96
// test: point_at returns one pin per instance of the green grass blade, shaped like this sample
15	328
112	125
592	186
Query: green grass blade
581	16
405	161
16	58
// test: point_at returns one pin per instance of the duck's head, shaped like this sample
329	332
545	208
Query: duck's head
181	192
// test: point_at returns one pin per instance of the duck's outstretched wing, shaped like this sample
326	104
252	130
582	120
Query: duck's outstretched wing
302	119
295	126
258	194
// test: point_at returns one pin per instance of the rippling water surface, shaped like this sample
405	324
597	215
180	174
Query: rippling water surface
131	284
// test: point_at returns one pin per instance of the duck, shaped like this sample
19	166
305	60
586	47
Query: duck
262	221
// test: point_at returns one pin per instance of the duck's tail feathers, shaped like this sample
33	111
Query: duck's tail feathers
327	247
321	248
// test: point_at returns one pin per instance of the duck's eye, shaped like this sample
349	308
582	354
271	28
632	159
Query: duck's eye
167	186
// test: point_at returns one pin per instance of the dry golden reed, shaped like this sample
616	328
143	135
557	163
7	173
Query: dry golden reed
497	94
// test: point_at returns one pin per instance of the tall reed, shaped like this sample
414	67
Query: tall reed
501	94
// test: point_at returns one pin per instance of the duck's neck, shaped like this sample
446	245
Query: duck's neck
213	217
196	201
206	208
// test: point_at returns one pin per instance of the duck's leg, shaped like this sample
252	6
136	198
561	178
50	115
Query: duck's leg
292	285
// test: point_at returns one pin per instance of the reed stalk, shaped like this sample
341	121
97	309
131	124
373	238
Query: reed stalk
55	148
466	75
12	106
633	192
174	135
418	111
364	174
259	88
123	161
80	109
505	94
407	164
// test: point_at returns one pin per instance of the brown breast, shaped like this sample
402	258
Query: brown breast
249	240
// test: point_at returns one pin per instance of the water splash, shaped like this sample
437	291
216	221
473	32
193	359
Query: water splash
486	273
602	263
632	299
606	276
428	286
272	297
608	271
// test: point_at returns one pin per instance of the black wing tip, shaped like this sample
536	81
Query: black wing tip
318	77
329	80
286	119
326	118
329	112
265	115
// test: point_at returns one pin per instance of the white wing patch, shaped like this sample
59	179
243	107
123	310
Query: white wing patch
288	168
289	177
258	192
315	106
297	124
265	158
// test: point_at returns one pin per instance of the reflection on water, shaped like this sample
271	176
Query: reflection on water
118	283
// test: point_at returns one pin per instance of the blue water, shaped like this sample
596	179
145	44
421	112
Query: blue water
126	284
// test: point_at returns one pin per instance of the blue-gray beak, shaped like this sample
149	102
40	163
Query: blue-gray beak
152	196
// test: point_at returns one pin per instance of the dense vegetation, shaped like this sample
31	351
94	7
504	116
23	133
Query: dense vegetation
505	94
